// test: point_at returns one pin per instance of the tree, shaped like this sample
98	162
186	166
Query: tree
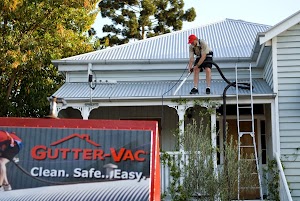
138	19
34	32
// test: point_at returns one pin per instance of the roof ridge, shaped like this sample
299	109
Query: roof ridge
246	22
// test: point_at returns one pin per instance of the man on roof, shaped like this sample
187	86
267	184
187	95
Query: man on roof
203	53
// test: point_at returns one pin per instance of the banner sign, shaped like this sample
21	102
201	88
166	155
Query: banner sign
62	151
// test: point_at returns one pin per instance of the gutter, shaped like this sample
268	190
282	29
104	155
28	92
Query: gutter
256	46
143	61
117	99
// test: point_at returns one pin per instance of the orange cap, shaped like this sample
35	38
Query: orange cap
192	38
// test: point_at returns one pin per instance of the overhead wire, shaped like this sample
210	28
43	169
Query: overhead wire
162	96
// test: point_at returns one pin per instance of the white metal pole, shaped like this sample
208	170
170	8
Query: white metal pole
183	81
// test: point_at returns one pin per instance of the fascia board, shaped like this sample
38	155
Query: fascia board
281	27
137	65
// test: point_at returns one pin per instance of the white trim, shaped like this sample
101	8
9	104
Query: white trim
244	101
213	123
221	140
274	65
281	27
275	128
181	109
85	113
156	101
67	77
127	64
259	150
275	116
260	54
283	178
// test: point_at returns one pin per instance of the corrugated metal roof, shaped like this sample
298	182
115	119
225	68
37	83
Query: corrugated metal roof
228	38
125	190
155	89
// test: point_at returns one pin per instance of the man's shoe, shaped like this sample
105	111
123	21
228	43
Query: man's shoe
207	90
1	189
194	91
7	187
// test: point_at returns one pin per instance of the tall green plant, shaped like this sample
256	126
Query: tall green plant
271	175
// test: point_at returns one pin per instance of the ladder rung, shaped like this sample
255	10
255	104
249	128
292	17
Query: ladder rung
243	69
244	104
244	107
246	132
254	173
245	119
247	146
253	187
247	159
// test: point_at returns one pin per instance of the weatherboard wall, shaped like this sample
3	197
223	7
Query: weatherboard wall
288	67
268	71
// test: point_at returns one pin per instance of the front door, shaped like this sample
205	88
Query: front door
245	191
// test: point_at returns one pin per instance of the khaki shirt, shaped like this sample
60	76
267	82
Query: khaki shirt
202	45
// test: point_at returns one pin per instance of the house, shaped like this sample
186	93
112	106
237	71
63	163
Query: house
138	80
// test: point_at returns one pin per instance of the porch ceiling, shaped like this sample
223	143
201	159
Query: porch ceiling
152	90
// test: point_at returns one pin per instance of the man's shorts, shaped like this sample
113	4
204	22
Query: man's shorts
209	57
7	151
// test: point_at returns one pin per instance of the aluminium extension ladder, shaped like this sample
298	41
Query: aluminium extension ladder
246	132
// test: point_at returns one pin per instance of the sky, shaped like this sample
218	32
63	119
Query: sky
268	12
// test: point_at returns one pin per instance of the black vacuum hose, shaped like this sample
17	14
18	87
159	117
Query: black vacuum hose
230	84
